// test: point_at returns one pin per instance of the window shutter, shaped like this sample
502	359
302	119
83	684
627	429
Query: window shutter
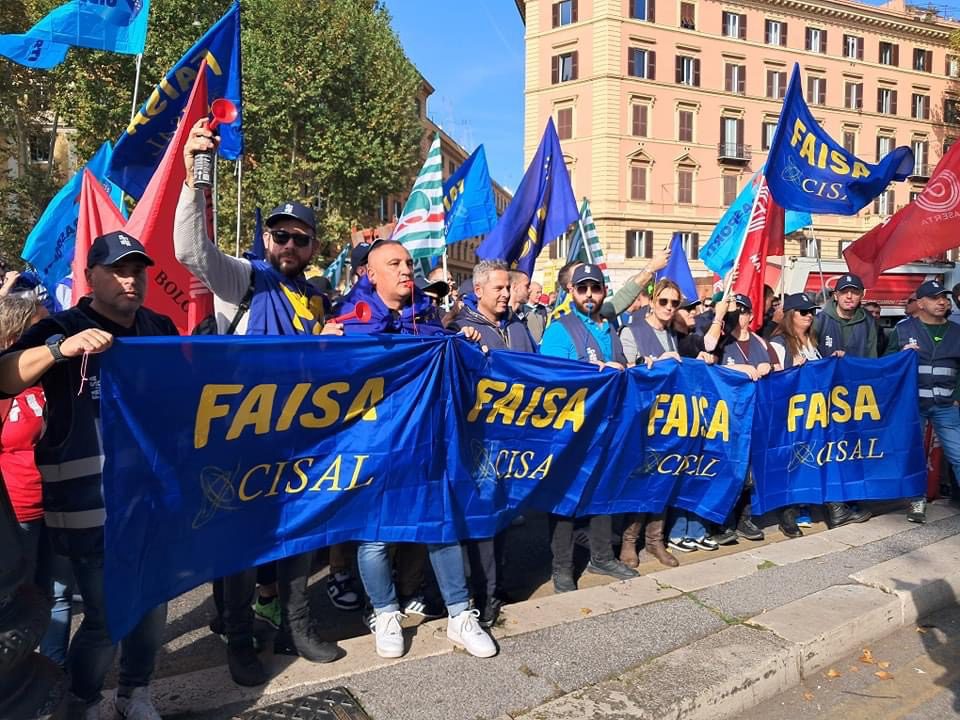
628	236
694	246
783	34
743	27
823	41
859	48
651	65
742	80
769	84
723	134
896	56
879	100
783	86
696	72
739	133
555	69
878	150
632	68
809	39
848	95
679	69
809	89
893	104
728	78
647	236
651	10
573	11
926	108
573	64
766	32
556	14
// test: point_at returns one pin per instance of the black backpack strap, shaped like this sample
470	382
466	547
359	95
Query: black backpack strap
244	305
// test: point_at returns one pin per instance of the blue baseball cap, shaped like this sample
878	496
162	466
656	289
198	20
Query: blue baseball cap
585	273
931	288
798	301
295	211
743	301
114	247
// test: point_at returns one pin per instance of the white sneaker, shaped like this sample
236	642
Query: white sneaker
464	631
389	634
138	706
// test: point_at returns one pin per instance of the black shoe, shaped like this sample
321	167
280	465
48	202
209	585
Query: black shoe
747	529
310	647
245	666
490	612
611	567
563	581
217	628
726	536
788	523
839	514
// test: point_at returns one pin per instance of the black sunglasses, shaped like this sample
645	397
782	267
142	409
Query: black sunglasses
663	302
589	287
808	311
282	237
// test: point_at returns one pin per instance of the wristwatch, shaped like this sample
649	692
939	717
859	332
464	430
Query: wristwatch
53	344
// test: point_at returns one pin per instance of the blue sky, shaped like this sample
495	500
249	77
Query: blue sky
472	54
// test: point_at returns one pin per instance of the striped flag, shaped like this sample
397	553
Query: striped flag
420	227
594	249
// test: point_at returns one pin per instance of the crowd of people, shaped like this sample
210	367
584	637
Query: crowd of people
51	455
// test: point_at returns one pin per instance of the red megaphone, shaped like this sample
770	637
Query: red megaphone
361	311
223	112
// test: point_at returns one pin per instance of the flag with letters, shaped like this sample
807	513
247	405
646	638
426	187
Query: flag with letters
118	26
137	153
764	230
809	171
468	204
541	211
420	226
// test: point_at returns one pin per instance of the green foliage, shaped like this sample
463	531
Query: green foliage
329	111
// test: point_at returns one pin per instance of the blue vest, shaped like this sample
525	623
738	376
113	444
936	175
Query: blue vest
647	341
584	341
830	336
787	355
939	362
756	353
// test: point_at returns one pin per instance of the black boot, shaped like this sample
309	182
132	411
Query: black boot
842	514
746	528
788	522
309	645
244	665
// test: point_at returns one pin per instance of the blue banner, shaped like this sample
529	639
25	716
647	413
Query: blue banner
468	204
119	26
808	171
839	429
49	246
141	147
678	269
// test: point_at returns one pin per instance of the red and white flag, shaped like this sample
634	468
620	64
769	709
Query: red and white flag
98	216
925	228
764	237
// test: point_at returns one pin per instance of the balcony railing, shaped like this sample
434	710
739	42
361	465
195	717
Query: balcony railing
735	152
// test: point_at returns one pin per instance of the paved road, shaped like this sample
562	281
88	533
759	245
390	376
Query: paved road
919	679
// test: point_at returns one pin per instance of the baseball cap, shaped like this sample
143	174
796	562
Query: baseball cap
743	301
114	247
436	288
798	301
689	303
931	288
583	273
358	256
293	210
849	281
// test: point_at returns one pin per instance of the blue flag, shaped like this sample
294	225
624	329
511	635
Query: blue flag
140	148
807	170
257	250
469	208
541	210
678	269
49	246
120	27
334	271
720	252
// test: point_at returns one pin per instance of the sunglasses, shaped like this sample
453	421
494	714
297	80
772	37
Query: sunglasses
282	237
808	311
589	287
663	302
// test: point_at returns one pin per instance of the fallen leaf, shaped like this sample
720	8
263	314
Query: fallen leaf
831	673
585	611
883	665
808	696
883	675
854	668
867	657
922	629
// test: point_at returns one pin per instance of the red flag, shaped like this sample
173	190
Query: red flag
925	228
172	289
764	235
98	216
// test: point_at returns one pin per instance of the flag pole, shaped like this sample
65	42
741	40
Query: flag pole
239	183
136	88
446	277
823	284
736	263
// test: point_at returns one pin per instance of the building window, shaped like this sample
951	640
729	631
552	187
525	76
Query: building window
883	204
564	12
922	60
816	40
920	107
451	167
397	209
685	126
776	84
565	123
889	54
564	67
639	120
729	190
688	71
643	10
850	141
853	96
39	149
685	186
810	247
952	66
914	194
639	244
775	33
853	47
731	137
638	182
816	90
691	244
734	25
736	78
560	248
688	16
767	130
951	111
641	63
921	155
884	146
887	101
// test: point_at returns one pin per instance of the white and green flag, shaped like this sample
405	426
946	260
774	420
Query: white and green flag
420	226
591	243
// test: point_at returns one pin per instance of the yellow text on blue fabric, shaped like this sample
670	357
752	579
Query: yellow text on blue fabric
689	416
518	405
819	155
821	409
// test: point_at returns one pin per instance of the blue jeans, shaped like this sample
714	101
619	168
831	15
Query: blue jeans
51	573
373	560
91	652
946	424
686	525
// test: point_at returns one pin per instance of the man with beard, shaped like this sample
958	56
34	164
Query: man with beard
258	297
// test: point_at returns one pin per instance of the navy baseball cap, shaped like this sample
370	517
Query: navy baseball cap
743	301
849	281
798	301
689	303
437	288
114	247
358	256
931	288
295	211
583	273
